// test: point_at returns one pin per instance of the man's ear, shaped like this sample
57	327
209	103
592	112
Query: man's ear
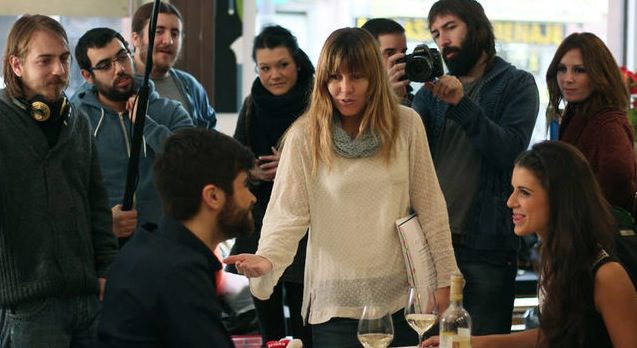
88	77
16	65
135	38
213	197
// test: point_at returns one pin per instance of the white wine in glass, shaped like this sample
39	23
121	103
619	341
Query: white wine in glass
421	311
375	328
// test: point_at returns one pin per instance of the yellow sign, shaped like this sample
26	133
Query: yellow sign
531	33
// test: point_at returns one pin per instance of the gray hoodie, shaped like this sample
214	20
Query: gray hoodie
113	132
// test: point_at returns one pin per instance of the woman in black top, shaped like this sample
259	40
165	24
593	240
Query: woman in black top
586	296
279	96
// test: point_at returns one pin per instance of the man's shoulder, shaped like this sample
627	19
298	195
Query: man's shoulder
4	97
6	103
142	248
157	101
85	99
503	69
153	245
145	260
186	77
162	108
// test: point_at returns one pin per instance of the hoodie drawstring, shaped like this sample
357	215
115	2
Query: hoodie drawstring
99	124
121	123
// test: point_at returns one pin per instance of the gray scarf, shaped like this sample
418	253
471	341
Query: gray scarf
364	145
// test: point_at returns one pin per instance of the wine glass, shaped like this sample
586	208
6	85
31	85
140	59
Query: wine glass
421	311
375	328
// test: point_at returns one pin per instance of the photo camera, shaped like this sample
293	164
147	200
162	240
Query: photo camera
424	64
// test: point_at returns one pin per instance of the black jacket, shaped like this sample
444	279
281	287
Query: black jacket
56	234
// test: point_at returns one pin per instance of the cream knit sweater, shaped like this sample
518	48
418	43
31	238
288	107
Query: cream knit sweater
354	257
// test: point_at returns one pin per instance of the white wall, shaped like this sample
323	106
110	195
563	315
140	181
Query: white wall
103	8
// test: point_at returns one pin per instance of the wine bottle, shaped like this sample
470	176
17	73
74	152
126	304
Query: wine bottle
455	323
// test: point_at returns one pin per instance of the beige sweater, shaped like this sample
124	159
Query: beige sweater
354	257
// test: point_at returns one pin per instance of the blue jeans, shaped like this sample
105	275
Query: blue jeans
490	288
341	333
51	323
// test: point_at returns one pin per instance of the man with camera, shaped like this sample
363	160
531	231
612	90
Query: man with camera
393	45
478	118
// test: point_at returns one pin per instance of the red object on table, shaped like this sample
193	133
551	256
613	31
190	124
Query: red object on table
277	344
247	341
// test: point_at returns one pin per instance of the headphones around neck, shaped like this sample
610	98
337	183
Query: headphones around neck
42	110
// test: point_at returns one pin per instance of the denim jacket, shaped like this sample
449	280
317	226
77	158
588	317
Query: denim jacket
198	105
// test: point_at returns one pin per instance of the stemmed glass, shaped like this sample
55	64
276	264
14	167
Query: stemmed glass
421	311
375	328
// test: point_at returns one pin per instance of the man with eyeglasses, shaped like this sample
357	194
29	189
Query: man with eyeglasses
108	99
171	83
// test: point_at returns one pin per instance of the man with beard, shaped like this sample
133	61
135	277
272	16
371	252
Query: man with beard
478	119
171	83
162	290
55	227
107	99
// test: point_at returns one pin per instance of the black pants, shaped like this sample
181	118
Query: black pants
272	318
341	333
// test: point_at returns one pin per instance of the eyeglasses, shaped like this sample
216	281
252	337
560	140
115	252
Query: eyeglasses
122	57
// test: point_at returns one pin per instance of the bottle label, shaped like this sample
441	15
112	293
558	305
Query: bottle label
459	340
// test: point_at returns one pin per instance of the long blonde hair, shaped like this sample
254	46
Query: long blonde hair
357	50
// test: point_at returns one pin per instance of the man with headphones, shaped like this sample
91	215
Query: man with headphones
56	242
107	99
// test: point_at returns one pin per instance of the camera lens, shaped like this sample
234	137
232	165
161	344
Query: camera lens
418	69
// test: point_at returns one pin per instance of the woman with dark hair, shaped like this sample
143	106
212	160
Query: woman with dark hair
586	296
279	96
584	75
352	165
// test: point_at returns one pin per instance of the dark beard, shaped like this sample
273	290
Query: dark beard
466	58
234	222
111	93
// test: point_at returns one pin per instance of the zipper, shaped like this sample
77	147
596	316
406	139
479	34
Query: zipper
123	126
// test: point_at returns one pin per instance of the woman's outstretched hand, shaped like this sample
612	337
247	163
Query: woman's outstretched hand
250	265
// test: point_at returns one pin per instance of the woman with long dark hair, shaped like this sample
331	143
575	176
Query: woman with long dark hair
279	95
586	296
584	75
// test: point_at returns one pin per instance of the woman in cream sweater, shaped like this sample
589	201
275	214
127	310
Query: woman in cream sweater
352	165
